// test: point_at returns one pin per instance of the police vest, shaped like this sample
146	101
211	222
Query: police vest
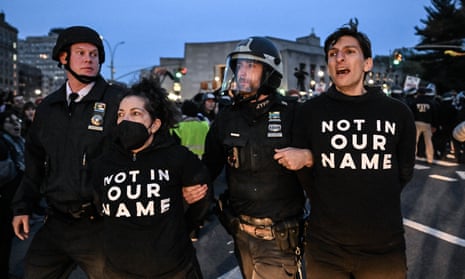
258	185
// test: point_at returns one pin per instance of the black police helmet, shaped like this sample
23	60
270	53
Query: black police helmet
263	50
78	34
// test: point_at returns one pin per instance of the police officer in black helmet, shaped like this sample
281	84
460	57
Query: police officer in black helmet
70	129
264	203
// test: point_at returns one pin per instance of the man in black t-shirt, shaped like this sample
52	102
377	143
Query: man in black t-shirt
362	146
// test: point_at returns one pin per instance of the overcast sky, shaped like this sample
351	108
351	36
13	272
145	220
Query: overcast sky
152	28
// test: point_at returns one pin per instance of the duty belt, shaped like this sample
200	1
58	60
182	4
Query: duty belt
261	228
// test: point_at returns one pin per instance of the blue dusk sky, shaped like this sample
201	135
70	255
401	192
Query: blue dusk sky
152	29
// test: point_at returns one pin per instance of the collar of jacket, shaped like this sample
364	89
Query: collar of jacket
161	140
253	111
372	92
272	100
95	94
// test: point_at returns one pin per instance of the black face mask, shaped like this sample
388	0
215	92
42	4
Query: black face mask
132	135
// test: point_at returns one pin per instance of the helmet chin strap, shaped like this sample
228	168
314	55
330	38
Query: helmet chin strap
82	78
238	98
262	90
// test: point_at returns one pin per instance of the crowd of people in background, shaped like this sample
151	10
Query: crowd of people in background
436	116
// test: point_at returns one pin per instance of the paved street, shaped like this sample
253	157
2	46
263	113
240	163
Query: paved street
433	205
215	252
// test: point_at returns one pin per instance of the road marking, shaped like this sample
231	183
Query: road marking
461	174
436	233
439	162
443	178
234	273
421	167
445	163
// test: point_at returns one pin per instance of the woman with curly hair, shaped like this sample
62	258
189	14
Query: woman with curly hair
140	183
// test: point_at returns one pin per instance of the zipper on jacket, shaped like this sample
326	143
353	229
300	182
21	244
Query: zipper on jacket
134	157
84	159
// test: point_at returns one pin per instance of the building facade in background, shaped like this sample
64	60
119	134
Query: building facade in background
8	56
37	51
205	63
29	81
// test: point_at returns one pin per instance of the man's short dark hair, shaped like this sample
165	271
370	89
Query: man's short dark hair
349	29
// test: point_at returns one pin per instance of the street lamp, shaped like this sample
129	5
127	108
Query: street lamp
321	74
112	56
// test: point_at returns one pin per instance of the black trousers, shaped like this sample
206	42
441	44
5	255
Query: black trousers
7	192
63	244
325	260
6	237
192	271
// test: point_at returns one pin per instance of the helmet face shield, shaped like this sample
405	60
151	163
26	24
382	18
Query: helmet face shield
228	86
253	68
243	76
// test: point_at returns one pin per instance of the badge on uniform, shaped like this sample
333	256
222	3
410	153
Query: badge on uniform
274	125
96	120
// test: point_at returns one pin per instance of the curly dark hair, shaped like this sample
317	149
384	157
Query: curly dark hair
157	102
349	29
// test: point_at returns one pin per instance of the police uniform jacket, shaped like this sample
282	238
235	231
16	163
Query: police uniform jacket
61	143
243	138
424	109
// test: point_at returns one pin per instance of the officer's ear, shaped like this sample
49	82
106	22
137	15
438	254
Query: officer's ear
63	57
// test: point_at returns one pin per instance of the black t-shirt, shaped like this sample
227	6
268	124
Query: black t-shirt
364	153
145	229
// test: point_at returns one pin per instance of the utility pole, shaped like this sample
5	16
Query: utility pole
112	57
